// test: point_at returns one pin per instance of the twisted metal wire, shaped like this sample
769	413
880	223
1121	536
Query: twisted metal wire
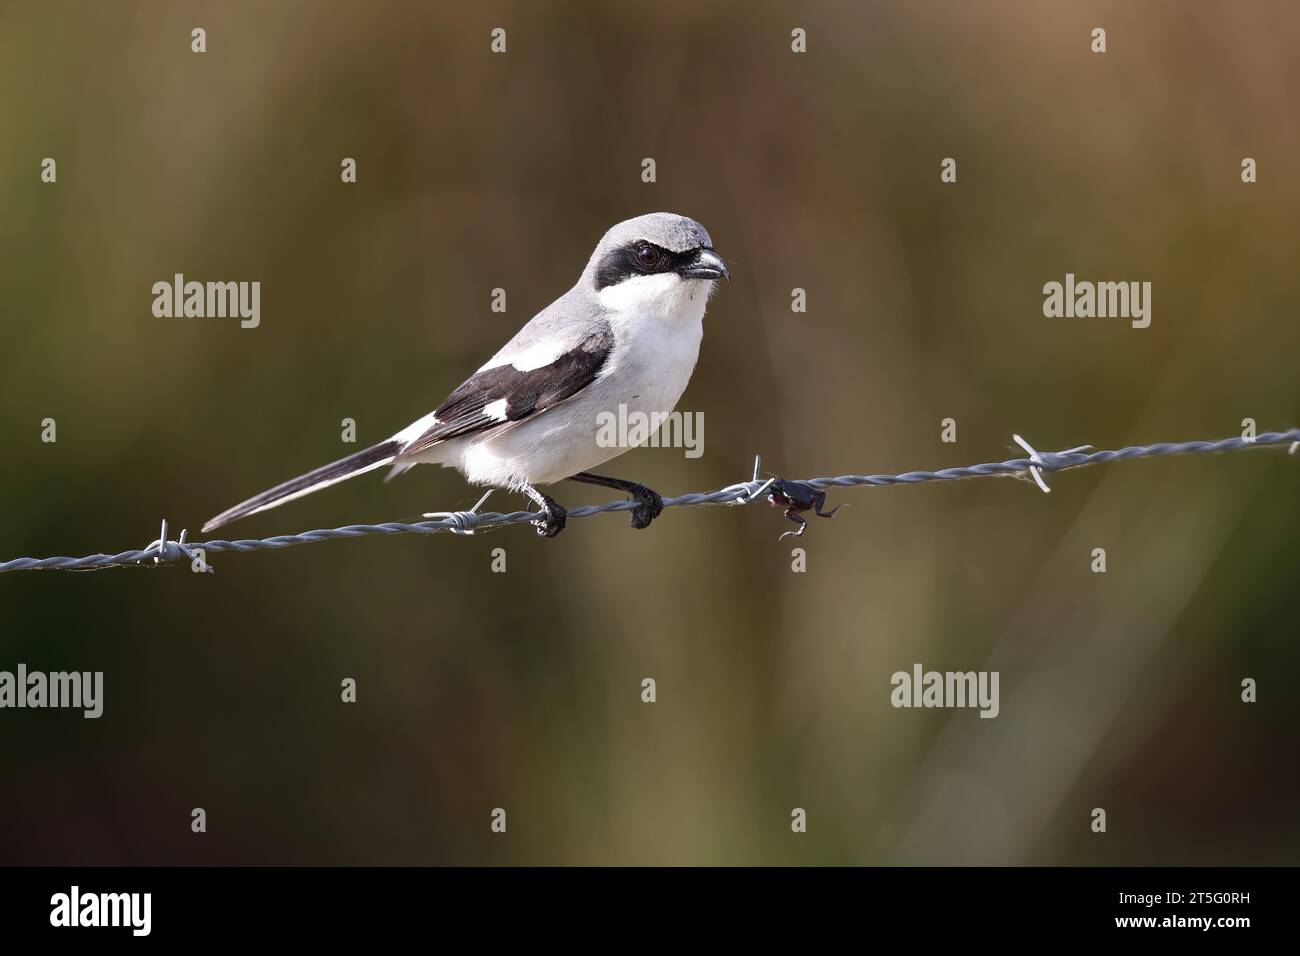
164	550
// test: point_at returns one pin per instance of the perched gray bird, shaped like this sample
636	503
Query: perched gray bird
627	334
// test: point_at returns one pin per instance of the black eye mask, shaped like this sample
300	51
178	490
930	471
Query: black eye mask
625	263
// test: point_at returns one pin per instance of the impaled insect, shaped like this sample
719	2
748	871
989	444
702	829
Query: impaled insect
797	496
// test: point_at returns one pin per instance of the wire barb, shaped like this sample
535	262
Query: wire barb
163	550
462	522
1052	460
748	491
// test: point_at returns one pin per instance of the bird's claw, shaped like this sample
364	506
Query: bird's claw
649	506
550	523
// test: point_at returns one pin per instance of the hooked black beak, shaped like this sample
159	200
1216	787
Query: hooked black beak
707	265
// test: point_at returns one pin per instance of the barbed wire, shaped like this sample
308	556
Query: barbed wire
164	550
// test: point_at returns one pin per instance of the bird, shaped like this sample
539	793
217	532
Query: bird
628	333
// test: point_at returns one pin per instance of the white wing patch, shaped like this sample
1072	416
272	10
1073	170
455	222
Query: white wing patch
531	357
496	410
417	428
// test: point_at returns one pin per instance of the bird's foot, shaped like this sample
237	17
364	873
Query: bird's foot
552	516
551	521
649	506
648	503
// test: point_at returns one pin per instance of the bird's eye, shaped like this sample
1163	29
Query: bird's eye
647	256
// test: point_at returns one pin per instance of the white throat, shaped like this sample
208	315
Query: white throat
666	296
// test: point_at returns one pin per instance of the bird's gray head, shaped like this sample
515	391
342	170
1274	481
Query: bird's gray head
652	258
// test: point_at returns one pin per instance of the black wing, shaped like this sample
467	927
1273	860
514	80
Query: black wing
525	393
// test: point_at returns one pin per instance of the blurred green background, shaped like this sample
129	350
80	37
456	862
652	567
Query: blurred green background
522	690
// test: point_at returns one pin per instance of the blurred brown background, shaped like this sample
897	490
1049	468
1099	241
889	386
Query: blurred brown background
522	690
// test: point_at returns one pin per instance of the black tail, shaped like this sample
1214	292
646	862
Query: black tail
363	461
